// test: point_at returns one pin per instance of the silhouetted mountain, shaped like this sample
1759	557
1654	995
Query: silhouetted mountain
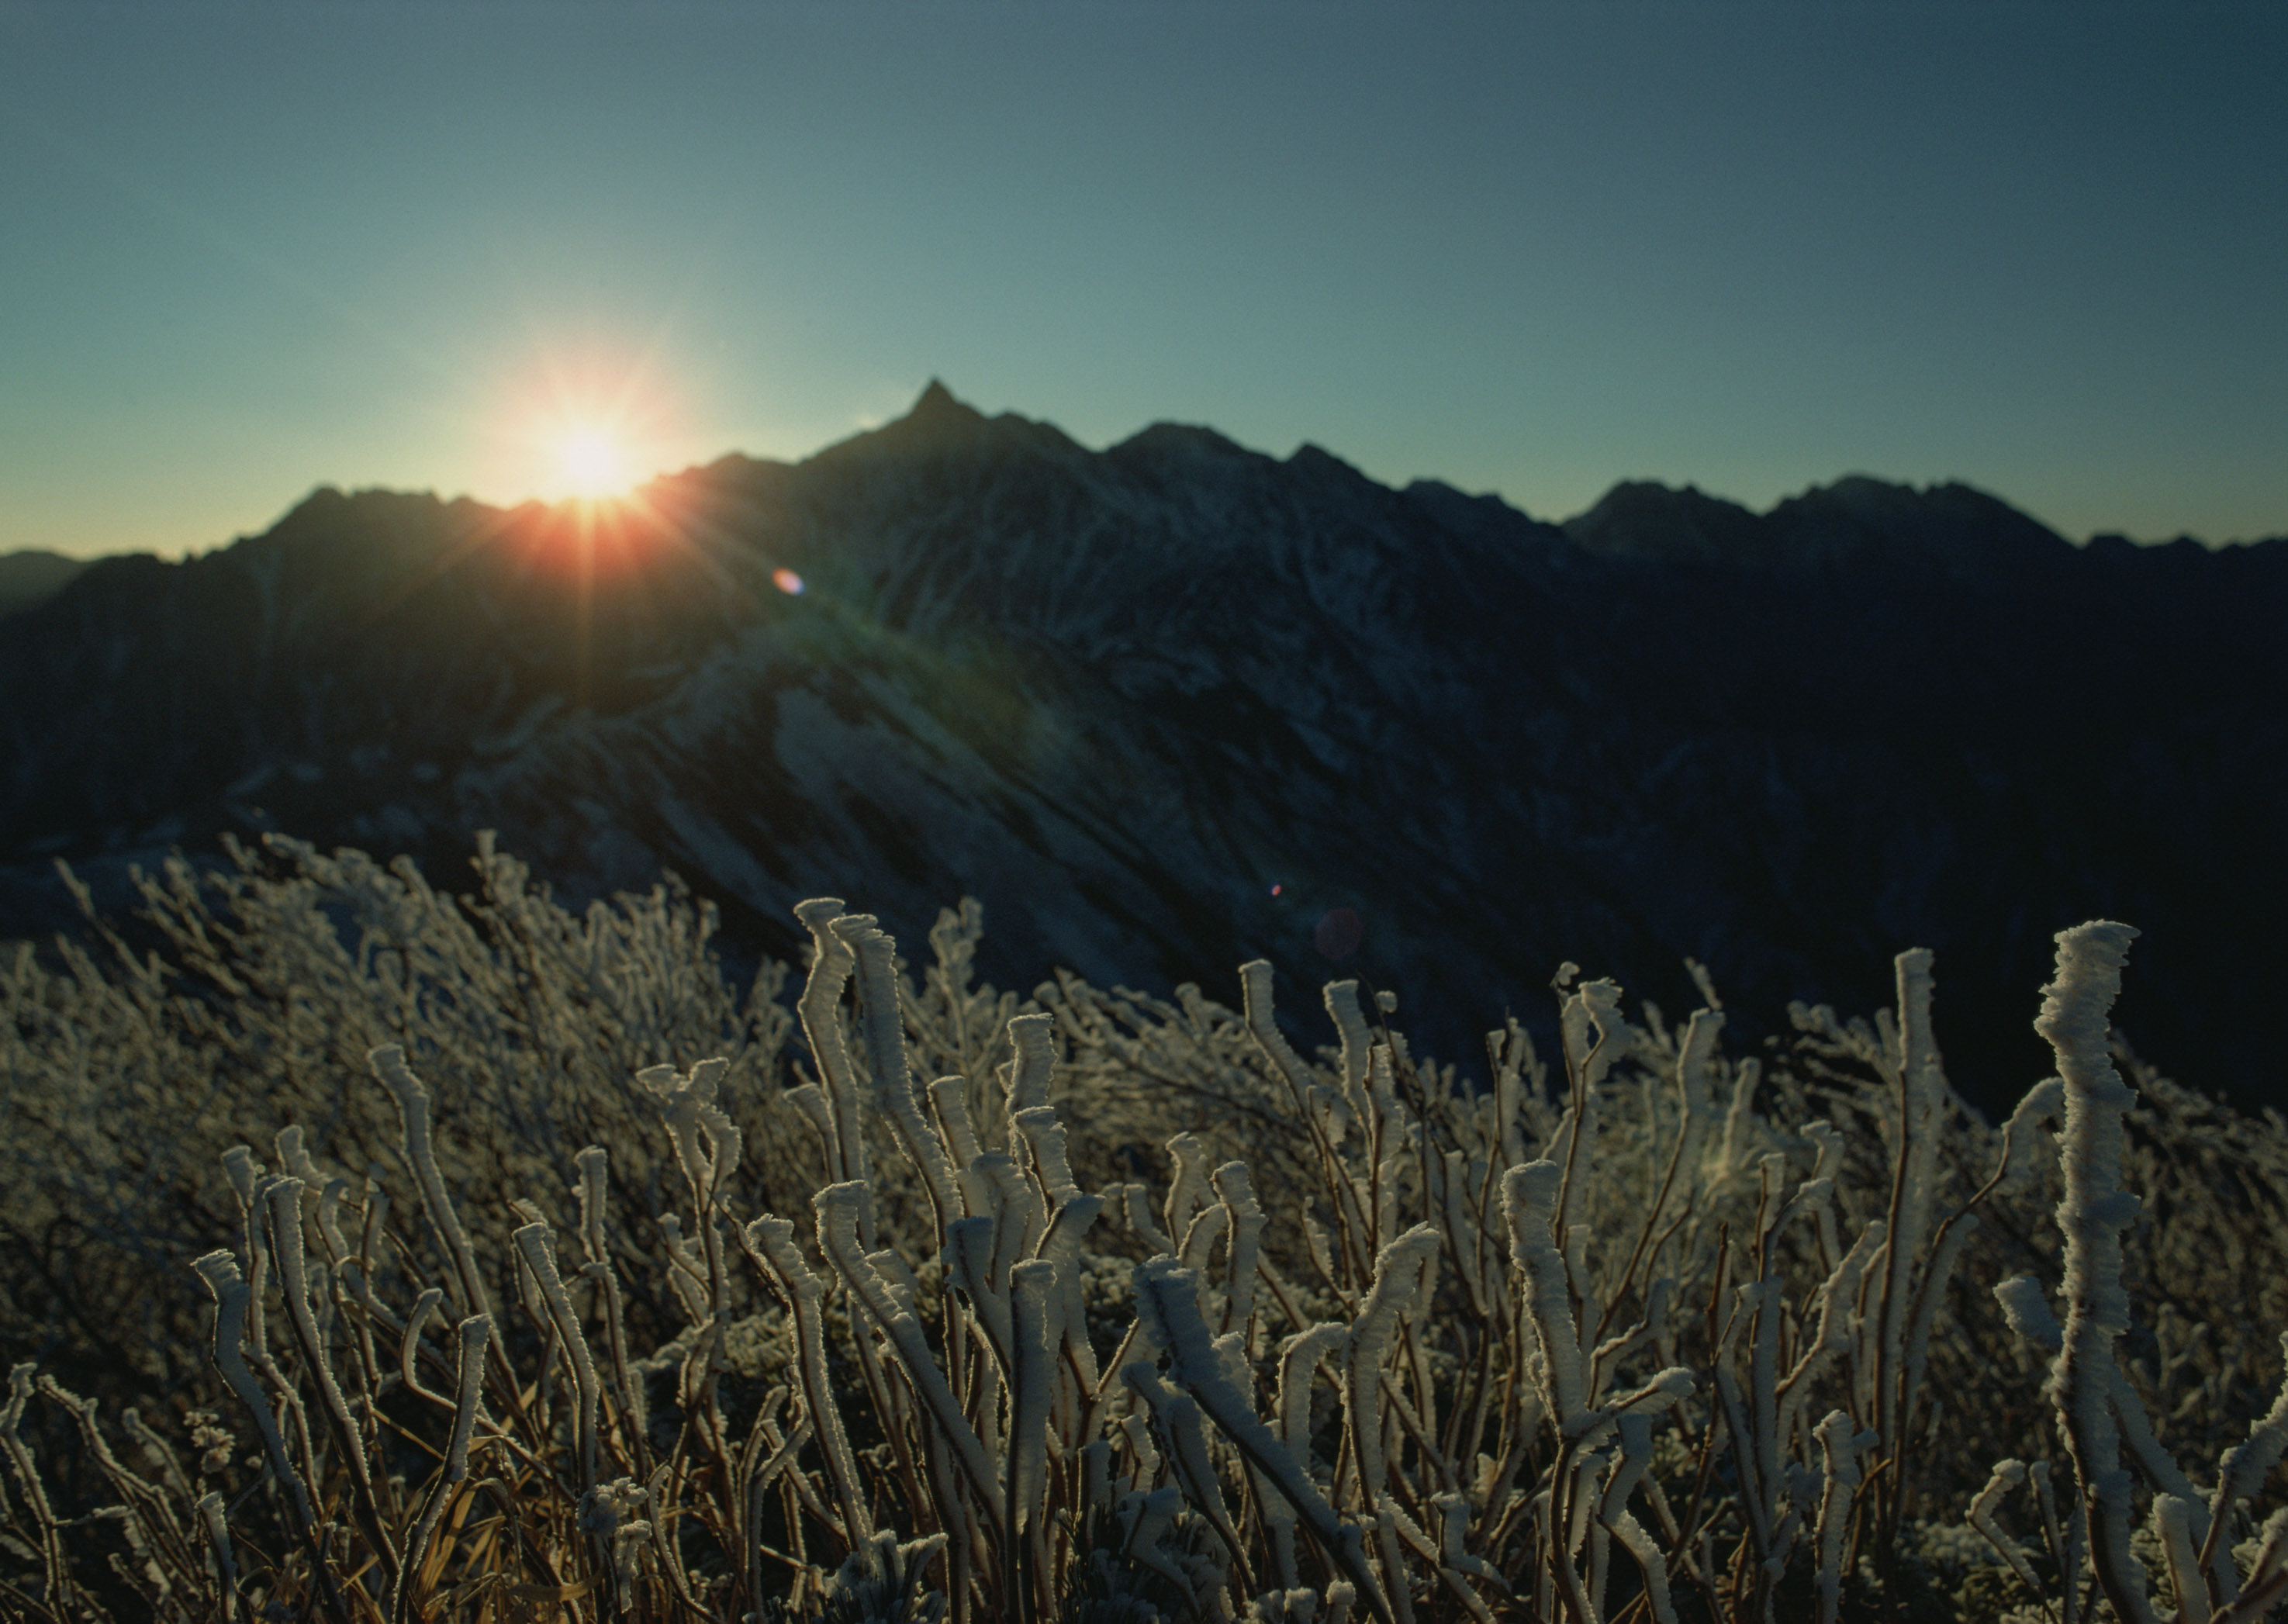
30	577
1122	696
1856	524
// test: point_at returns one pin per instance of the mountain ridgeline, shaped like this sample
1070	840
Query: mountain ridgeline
1176	704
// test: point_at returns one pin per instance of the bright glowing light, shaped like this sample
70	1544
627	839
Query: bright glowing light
786	582
586	420
590	463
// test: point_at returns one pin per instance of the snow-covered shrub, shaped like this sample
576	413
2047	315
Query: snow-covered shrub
1095	1306
254	997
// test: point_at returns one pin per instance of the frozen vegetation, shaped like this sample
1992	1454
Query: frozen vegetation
434	1258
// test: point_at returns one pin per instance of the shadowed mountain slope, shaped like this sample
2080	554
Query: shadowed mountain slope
28	578
1121	695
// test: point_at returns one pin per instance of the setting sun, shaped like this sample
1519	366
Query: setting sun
590	463
584	421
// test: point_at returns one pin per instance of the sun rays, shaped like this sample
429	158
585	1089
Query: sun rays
590	465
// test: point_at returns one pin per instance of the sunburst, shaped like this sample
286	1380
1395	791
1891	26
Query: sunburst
590	465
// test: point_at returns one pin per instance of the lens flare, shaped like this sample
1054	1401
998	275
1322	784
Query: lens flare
786	582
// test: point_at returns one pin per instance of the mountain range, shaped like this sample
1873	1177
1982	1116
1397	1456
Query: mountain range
1176	704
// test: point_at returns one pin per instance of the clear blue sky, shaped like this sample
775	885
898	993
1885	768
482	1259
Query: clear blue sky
246	249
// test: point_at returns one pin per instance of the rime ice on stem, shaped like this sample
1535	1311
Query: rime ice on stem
390	1070
838	1208
770	1242
538	1247
1598	1003
1342	1003
1316	1108
1530	1196
1168	1295
1840	1444
1234	1184
1922	1098
885	1058
474	1333
285	1202
595	1164
219	1270
1437	1483
820	1008
2092	1213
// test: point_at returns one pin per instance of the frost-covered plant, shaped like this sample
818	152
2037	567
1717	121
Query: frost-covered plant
255	993
2106	1430
1097	1307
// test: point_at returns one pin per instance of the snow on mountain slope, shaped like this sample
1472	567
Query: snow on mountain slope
1121	696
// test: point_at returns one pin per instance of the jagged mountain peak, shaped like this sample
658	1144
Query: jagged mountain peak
1163	707
1950	526
1642	519
1855	522
937	405
1892	504
942	429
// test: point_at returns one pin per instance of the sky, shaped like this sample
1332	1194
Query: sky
1528	247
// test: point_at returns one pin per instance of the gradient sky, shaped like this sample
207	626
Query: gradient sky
248	249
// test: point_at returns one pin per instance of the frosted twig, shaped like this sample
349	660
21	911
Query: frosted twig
770	1244
2007	1474
2172	1525
538	1246
950	1104
2094	1212
1840	1445
1032	1378
887	1059
1245	1246
474	1333
1952	1238
1529	1197
593	1164
226	1562
220	1271
2268	1581
1255	979
1169	1297
1061	1247
1922	1097
837	1237
2245	1467
154	1532
1598	1003
1183	1439
390	1070
1031	1036
1837	1299
284	1197
707	1149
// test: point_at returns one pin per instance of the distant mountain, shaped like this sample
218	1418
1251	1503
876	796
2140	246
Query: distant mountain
28	578
1174	704
1854	523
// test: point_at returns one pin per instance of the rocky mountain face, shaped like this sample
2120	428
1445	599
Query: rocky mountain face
1176	704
